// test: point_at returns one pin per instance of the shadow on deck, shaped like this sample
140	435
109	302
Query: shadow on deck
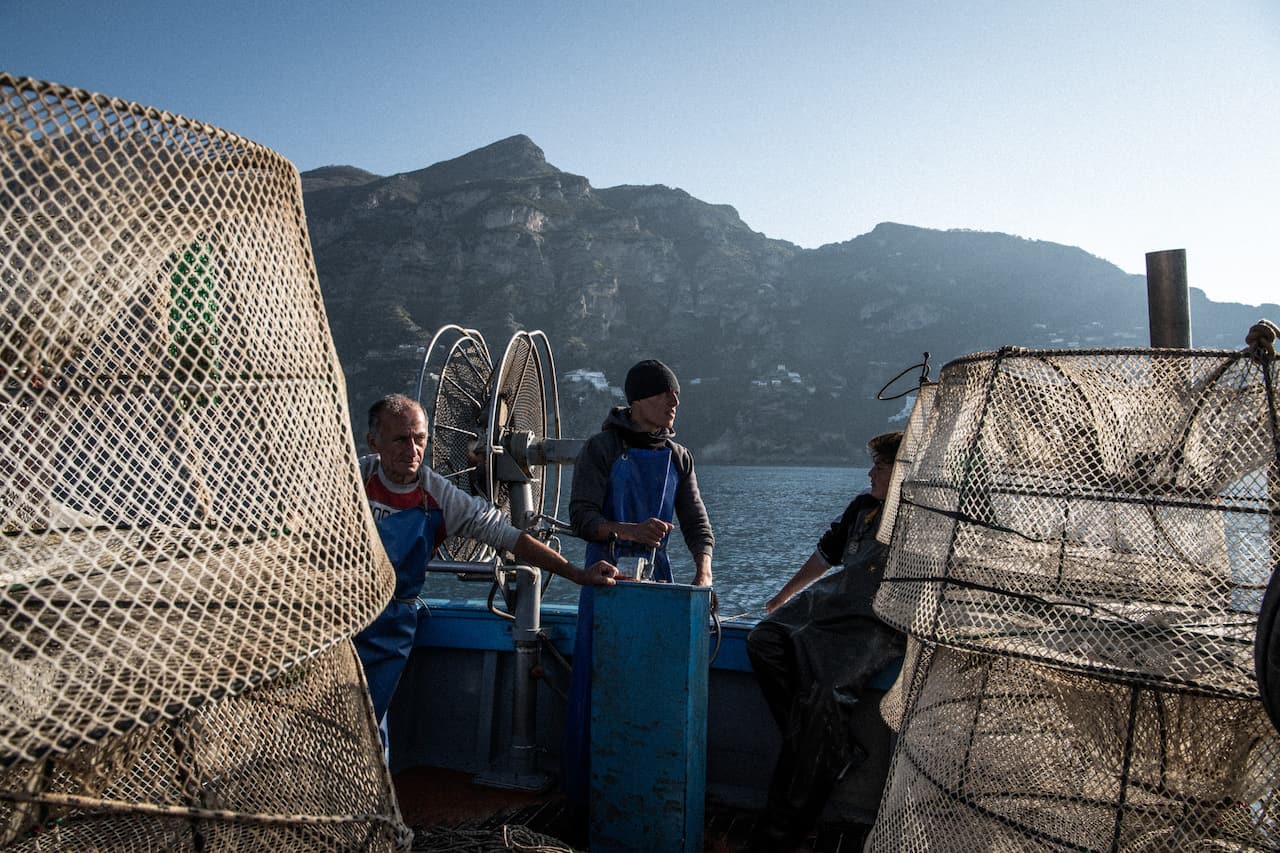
449	812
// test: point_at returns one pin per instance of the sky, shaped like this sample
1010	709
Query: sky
1119	127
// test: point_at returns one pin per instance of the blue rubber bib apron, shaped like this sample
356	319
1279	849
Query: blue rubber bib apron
409	537
642	485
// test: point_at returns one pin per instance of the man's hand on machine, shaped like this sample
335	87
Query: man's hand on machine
599	573
536	553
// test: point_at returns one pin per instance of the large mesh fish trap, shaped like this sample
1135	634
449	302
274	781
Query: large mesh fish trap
1082	542
186	544
999	753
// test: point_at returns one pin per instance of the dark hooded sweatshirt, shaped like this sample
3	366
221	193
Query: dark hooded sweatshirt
591	480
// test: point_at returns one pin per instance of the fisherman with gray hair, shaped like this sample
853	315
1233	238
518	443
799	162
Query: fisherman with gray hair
413	507
815	653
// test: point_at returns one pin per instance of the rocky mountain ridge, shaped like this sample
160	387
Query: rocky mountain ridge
780	349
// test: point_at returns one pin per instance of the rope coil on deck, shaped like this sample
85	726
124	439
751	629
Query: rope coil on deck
485	840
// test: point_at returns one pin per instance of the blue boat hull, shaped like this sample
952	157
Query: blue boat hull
454	709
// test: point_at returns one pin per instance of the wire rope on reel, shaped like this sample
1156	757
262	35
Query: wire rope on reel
455	376
516	424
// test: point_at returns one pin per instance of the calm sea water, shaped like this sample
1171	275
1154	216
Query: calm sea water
767	521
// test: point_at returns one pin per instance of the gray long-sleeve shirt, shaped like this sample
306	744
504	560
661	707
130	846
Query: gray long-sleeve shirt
464	515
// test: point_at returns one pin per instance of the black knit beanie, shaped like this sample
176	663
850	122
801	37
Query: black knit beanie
649	377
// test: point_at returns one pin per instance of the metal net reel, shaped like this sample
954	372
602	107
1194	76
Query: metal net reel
458	417
490	436
515	460
492	427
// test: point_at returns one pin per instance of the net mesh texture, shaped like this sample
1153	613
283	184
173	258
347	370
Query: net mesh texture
187	548
1080	547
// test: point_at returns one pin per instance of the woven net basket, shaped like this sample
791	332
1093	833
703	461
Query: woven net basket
999	753
186	548
1079	549
1109	512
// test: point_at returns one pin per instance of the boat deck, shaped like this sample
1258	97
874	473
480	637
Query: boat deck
449	812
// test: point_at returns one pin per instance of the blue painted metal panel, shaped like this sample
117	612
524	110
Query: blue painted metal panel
457	624
468	624
649	717
733	647
462	625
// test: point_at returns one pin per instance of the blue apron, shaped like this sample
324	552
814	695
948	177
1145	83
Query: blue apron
409	537
642	485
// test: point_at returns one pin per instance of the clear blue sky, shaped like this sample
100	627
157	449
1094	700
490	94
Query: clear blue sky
1119	127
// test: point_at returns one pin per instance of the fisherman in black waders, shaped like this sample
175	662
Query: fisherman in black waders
630	481
816	651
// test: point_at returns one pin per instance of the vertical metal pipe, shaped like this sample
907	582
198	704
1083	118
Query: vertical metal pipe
528	624
1168	299
524	713
518	769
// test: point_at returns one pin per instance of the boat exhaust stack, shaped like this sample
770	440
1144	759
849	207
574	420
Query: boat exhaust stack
1168	299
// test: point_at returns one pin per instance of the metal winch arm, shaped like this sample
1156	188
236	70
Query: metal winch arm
462	567
521	451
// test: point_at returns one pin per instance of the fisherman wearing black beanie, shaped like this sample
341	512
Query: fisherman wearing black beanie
630	482
648	378
646	423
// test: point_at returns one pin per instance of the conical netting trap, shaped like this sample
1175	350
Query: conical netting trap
186	545
1108	511
1081	544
